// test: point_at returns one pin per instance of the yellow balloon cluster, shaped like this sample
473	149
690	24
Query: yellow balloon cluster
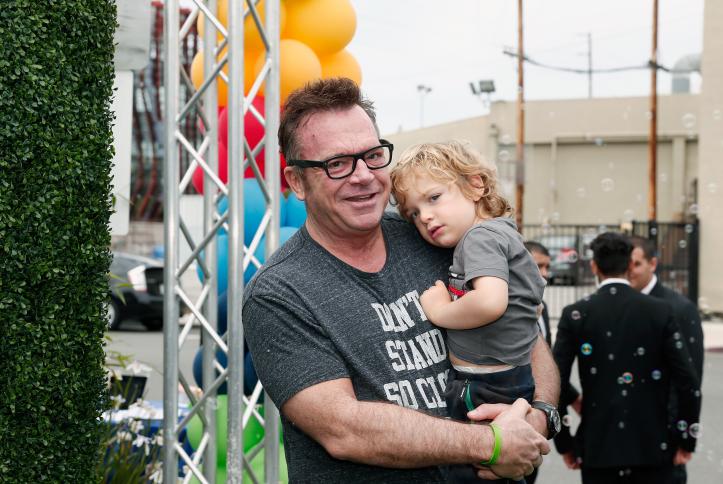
314	34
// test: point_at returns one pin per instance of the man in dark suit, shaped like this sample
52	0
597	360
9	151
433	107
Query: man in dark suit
541	256
643	279
630	353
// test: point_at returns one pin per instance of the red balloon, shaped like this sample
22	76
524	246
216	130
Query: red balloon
197	178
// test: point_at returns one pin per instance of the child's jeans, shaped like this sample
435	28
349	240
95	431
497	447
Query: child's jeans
466	391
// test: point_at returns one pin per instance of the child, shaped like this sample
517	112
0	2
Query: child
495	288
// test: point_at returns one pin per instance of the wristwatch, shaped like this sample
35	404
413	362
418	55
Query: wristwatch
553	417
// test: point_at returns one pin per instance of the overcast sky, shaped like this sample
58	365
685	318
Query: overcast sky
401	44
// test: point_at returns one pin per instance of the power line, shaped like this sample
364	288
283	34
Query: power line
647	65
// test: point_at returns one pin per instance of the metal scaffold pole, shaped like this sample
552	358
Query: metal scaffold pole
185	101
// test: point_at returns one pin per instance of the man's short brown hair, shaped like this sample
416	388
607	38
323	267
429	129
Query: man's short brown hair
338	93
646	245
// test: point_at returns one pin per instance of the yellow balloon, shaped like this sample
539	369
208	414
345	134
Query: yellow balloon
252	39
298	64
341	64
250	59
197	77
327	26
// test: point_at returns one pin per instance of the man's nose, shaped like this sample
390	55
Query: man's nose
361	173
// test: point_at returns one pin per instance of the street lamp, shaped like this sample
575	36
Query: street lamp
483	88
423	91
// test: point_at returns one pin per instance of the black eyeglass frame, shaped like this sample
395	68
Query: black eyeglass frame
357	156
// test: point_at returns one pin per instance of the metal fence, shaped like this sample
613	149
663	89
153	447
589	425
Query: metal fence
571	277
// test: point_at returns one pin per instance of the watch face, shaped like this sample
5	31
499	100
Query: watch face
555	420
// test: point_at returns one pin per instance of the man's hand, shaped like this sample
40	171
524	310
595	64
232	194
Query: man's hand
577	404
522	446
682	457
434	298
571	461
489	411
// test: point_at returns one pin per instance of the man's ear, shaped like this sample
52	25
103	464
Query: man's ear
594	268
296	182
654	263
477	182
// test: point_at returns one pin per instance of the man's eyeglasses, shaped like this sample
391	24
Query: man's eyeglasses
344	165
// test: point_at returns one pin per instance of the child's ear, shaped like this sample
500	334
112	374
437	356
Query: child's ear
477	182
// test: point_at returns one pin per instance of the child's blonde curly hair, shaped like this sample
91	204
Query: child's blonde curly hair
450	162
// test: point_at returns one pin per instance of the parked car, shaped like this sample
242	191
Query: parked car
570	256
136	291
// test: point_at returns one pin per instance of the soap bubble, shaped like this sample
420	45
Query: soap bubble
628	215
593	370
506	139
688	120
613	291
682	244
609	334
599	141
555	216
607	184
624	392
693	209
581	192
620	380
641	351
712	187
682	425
663	178
679	345
621	425
503	156
656	374
575	315
611	356
664	446
586	349
628	377
654	231
694	430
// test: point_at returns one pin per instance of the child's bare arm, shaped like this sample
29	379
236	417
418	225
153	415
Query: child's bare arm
485	303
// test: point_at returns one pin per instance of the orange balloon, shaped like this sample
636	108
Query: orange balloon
252	39
341	64
327	26
297	65
249	74
197	76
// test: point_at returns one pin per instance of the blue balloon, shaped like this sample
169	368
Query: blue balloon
254	208
222	263
250	377
295	212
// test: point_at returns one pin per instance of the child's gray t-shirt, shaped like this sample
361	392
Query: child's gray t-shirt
495	248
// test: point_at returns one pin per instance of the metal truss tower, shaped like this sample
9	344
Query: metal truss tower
221	56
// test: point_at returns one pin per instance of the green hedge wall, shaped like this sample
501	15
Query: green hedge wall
56	81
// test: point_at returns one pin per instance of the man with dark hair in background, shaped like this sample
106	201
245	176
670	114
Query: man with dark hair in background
541	256
630	356
644	279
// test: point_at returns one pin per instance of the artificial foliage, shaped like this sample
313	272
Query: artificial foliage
56	83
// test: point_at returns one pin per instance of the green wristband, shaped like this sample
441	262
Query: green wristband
497	449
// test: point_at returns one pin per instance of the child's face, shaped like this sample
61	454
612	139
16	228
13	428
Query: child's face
440	211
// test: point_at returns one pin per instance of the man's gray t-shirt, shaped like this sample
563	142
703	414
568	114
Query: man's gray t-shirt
311	318
495	248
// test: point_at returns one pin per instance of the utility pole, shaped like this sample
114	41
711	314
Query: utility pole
589	65
520	164
653	135
423	91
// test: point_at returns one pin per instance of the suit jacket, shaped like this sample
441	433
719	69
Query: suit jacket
629	353
688	319
546	323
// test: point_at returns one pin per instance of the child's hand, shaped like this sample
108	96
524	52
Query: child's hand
435	298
